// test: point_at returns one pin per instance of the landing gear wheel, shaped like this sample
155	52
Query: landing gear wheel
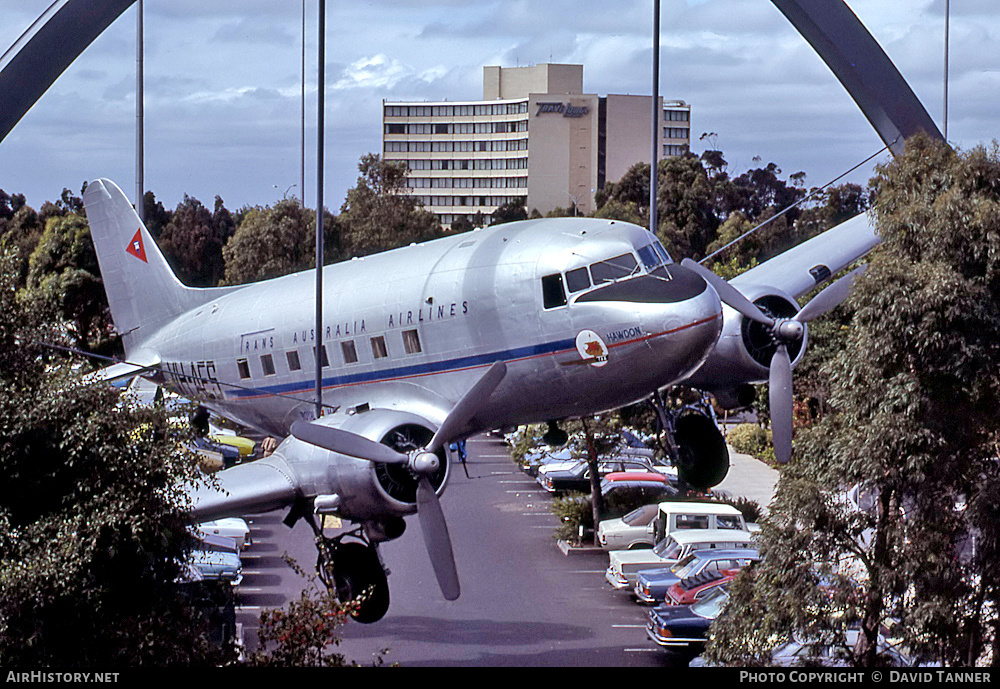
703	459
357	570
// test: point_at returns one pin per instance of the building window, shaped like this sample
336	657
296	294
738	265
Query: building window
349	352
379	350
411	342
553	294
244	368
293	360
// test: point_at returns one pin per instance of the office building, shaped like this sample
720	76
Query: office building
535	138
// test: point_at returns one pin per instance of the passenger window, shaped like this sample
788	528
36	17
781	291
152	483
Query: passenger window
244	368
293	360
379	350
267	363
324	361
411	342
613	269
553	294
349	351
577	280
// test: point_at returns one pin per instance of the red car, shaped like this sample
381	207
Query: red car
692	589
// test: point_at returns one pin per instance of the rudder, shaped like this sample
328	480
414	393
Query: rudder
142	290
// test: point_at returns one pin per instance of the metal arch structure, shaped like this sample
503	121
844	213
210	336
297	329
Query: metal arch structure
43	52
857	60
67	27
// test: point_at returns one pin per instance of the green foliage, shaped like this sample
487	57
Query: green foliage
278	240
64	280
913	394
378	215
751	439
90	506
574	510
192	241
302	633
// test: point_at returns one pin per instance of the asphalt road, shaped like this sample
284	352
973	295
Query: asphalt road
524	602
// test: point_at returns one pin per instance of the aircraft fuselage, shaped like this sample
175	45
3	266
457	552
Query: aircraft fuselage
421	323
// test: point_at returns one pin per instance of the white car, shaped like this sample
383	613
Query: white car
634	530
231	527
624	565
668	517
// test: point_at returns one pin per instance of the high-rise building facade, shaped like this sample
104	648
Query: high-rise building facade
535	139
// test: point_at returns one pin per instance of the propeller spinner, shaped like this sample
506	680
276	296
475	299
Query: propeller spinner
784	332
422	463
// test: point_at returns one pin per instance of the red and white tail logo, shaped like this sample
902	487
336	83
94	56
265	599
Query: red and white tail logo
136	248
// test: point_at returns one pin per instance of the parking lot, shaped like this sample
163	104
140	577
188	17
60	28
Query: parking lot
524	601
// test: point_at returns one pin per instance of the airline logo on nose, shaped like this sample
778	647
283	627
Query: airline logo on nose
591	348
136	248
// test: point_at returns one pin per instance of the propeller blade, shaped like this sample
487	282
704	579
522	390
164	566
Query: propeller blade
437	539
467	407
830	297
780	401
346	443
729	295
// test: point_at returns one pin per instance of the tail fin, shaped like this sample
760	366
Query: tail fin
142	290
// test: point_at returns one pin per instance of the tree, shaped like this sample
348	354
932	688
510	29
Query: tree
91	529
378	215
65	279
914	392
277	240
193	239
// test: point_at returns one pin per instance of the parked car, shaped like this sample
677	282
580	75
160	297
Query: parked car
651	585
633	531
670	517
624	565
685	627
534	460
215	565
233	527
692	589
577	477
798	653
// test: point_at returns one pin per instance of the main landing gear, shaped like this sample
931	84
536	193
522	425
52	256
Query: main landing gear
350	566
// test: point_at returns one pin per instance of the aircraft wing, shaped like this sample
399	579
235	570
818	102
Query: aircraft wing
812	262
261	486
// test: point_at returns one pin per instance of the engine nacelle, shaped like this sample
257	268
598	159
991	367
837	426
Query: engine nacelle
367	491
744	350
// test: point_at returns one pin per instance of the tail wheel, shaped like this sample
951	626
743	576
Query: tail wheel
358	573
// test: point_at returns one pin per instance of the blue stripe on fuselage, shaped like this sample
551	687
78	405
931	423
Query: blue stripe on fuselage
409	371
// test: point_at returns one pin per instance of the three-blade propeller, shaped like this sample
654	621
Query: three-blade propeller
783	331
422	463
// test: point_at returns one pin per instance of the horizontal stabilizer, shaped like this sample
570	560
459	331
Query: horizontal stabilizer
137	364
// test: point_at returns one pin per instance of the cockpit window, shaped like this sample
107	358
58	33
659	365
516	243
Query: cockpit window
662	252
577	280
650	259
613	269
553	294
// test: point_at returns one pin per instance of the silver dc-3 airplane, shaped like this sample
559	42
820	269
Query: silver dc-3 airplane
534	321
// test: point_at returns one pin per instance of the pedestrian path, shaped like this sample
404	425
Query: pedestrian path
750	478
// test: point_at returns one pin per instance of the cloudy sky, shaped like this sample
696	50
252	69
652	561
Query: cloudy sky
222	86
